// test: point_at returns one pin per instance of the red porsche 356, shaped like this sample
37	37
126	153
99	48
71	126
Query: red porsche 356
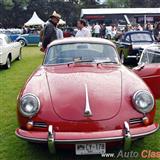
83	97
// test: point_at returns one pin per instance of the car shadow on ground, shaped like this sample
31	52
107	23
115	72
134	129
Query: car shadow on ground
60	154
70	154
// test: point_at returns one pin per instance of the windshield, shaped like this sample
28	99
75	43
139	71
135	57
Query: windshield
81	52
141	37
151	55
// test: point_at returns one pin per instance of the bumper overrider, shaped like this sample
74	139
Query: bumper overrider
127	135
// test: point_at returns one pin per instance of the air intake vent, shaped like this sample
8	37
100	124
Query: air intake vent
135	120
40	124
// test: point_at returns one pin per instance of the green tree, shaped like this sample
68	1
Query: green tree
132	3
9	4
144	3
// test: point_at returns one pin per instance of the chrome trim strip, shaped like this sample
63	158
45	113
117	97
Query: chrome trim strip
145	134
39	124
131	56
87	111
90	140
31	139
135	120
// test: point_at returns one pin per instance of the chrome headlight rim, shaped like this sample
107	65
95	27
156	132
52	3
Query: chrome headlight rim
29	114
140	109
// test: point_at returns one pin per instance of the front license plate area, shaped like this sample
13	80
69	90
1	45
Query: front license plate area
90	148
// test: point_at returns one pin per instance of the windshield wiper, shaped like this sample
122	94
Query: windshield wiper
79	61
106	62
92	61
82	61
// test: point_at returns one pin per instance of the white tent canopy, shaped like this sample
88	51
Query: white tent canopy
35	20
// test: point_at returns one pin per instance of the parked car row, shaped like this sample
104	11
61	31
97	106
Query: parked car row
130	46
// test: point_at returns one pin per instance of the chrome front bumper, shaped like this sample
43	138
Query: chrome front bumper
127	135
51	140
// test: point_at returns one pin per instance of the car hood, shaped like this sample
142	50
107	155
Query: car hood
73	92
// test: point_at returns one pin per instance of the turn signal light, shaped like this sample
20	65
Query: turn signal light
29	125
145	120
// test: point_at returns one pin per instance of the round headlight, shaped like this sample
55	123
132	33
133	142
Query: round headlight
143	101
29	105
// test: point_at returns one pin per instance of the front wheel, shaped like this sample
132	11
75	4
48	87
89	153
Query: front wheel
23	43
8	63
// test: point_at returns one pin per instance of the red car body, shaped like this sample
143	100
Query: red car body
150	73
64	91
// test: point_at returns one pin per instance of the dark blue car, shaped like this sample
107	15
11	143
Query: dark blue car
132	43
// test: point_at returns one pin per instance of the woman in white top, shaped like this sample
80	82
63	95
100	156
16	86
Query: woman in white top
59	33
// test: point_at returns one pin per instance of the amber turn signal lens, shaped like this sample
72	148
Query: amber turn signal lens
29	125
145	120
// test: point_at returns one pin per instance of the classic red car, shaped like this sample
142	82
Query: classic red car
82	97
149	68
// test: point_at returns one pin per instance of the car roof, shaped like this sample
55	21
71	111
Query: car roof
81	40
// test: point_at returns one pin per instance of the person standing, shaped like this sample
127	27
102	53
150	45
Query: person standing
50	30
149	27
139	27
157	32
59	33
103	31
83	31
97	29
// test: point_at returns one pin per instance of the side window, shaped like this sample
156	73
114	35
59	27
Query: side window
144	58
127	38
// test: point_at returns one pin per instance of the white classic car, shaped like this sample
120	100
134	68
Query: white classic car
9	51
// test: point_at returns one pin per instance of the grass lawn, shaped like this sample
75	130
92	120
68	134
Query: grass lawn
12	148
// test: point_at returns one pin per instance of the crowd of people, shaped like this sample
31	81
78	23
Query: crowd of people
51	31
102	31
153	28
